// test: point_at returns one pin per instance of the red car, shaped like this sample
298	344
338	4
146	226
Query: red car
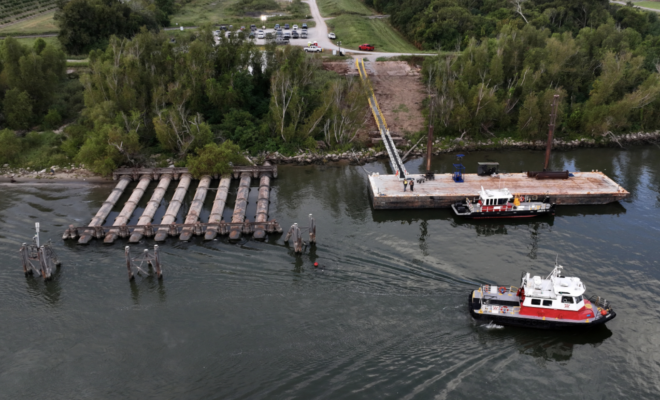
366	47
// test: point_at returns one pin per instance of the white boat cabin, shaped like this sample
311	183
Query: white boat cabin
499	197
554	292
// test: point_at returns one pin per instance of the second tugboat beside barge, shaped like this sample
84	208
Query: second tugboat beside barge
501	203
556	302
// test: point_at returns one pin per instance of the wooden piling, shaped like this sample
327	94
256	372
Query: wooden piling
103	212
262	204
150	210
127	253
218	207
126	212
196	207
156	264
241	205
173	208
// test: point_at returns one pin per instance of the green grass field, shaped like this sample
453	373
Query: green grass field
218	12
333	8
30	41
353	30
41	24
648	4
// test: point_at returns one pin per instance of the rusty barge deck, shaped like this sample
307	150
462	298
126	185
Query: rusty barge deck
387	193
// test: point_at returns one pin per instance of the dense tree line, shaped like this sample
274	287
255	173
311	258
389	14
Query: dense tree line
148	94
450	24
88	24
506	84
33	85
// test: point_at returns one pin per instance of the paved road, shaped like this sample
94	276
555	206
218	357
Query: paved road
642	8
322	38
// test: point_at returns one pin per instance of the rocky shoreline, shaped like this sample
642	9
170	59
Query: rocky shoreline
442	145
450	145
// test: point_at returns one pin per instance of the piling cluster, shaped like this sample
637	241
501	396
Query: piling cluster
192	225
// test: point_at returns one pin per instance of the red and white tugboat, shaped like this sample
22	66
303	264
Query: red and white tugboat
501	203
556	302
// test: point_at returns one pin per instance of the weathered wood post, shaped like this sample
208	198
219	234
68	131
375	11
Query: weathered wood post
103	212
312	229
43	261
126	212
150	210
156	264
240	207
262	205
173	208
127	252
218	207
27	269
296	237
195	207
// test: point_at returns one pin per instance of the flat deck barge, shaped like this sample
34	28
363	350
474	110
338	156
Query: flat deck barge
387	193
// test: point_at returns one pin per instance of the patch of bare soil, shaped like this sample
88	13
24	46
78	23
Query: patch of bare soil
341	67
400	94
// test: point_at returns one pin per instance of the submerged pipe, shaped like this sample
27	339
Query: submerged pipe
105	209
125	214
196	207
173	208
218	207
241	205
152	206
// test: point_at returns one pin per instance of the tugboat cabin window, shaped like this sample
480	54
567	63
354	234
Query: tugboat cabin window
536	302
501	201
567	300
578	299
547	303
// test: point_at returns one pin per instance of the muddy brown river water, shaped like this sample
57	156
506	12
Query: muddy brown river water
385	317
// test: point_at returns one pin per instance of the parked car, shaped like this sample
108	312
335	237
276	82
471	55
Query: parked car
223	27
331	35
278	33
287	35
295	35
260	35
303	35
286	26
243	27
269	35
251	35
304	26
281	40
313	49
366	47
277	26
295	27
253	27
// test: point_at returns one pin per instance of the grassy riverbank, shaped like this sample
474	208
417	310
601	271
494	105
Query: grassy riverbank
42	24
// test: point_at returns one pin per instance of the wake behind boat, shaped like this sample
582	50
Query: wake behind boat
501	203
556	302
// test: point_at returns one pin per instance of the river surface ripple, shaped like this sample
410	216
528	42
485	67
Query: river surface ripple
386	316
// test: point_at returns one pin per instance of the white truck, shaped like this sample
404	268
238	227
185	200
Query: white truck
313	49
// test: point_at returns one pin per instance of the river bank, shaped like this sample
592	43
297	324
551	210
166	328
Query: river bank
442	145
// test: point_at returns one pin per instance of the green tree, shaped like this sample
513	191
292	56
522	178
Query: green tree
10	146
214	159
18	109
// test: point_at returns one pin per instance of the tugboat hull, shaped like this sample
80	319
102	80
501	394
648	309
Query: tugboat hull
538	323
461	210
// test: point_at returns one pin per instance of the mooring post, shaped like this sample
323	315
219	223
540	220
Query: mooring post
150	210
45	269
218	208
312	229
103	212
195	207
127	252
262	205
126	212
157	267
241	206
296	237
173	208
551	130
24	259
